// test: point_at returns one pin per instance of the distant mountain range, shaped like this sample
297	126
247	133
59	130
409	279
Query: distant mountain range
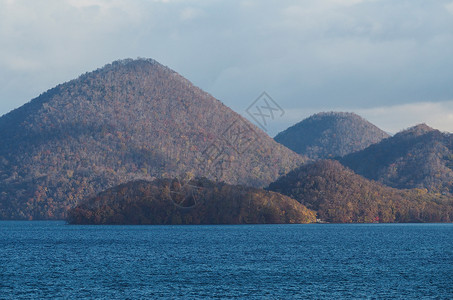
331	134
113	145
132	119
419	157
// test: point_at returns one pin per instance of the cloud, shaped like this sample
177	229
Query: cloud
190	13
397	117
17	63
308	55
391	119
449	7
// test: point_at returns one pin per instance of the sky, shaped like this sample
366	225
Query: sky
389	61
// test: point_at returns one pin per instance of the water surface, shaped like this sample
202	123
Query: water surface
55	260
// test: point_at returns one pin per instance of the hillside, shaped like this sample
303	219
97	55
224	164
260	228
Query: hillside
420	157
132	119
199	201
331	134
339	195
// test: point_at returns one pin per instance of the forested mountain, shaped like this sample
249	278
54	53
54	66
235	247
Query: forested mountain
340	195
132	119
198	201
330	134
420	157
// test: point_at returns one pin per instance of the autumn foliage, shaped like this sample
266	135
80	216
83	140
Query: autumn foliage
130	120
198	201
341	196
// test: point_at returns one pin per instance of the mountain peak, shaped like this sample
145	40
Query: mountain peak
340	114
131	119
417	130
330	134
133	65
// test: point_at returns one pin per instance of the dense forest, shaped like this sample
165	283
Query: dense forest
132	119
197	201
339	195
330	134
419	157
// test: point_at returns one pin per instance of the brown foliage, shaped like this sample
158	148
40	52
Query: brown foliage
339	195
202	202
132	119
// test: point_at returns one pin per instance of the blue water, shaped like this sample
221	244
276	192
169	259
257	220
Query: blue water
54	260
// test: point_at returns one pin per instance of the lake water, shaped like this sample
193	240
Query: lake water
322	261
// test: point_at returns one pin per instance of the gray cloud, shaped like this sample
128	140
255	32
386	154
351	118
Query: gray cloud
310	55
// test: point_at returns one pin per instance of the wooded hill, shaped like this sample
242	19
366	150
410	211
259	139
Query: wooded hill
324	189
197	201
132	119
330	134
341	196
419	157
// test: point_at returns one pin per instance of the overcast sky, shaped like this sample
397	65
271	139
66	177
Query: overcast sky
390	61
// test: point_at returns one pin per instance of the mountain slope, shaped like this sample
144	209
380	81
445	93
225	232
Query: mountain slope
420	157
339	195
132	119
204	202
332	134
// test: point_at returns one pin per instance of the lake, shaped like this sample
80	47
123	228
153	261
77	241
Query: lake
50	259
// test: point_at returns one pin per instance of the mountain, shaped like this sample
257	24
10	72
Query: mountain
341	196
132	119
198	201
419	157
330	134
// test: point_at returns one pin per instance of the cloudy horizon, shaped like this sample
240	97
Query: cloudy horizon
388	61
